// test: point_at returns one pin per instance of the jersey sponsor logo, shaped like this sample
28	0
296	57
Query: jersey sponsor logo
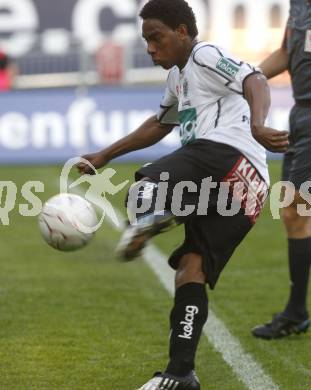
308	42
185	88
187	324
227	67
186	103
188	123
246	119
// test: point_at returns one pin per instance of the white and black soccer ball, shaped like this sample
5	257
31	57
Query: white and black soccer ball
67	222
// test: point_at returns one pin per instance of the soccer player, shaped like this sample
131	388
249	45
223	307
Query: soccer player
295	56
220	104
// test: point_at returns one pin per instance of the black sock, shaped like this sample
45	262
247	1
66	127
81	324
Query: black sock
299	255
187	319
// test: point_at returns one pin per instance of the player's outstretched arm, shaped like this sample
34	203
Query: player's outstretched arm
149	133
277	62
257	94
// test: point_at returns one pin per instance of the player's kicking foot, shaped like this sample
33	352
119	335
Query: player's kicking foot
279	327
169	382
136	236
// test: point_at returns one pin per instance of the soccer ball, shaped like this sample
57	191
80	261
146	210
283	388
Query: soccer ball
67	222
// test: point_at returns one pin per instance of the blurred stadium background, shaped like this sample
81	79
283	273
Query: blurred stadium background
82	79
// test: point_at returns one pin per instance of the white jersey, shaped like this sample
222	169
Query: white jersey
206	100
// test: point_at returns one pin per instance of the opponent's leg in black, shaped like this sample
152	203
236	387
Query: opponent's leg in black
294	319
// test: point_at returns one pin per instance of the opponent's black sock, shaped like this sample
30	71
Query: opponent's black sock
299	255
187	319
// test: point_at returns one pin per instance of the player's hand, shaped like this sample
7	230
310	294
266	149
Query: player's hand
98	160
273	140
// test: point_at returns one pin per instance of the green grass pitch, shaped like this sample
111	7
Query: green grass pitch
84	321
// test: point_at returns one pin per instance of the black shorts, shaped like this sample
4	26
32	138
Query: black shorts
297	159
212	235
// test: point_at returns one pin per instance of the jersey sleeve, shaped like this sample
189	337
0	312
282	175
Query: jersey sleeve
168	111
223	73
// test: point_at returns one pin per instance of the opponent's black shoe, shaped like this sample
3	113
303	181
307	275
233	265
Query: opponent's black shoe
279	327
166	381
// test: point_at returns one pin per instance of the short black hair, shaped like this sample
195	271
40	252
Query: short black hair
172	13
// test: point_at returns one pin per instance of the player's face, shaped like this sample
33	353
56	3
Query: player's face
164	45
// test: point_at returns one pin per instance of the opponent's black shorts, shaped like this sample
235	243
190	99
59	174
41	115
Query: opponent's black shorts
297	159
212	235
